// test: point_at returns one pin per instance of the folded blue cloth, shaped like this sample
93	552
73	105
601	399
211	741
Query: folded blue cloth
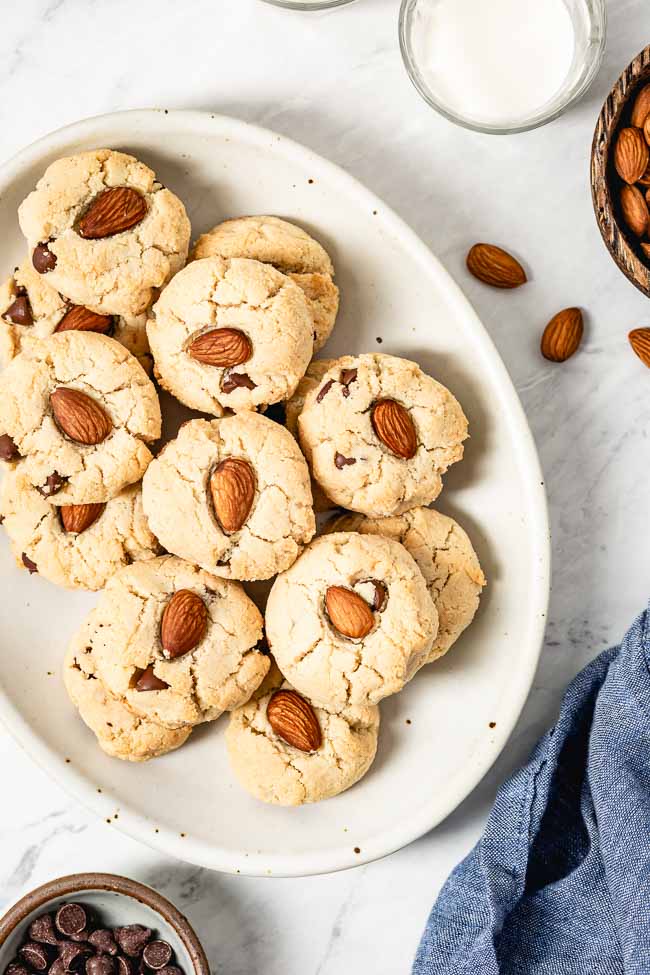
559	884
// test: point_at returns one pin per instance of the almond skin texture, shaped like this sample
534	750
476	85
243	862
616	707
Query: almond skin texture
76	518
80	319
232	486
348	612
562	335
293	719
115	210
640	341
635	210
224	347
183	623
393	425
79	417
641	108
646	132
631	155
494	266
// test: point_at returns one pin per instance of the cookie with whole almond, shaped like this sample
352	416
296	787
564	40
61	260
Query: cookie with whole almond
285	751
351	621
230	335
378	433
79	410
232	495
288	248
174	644
30	308
79	546
104	231
446	558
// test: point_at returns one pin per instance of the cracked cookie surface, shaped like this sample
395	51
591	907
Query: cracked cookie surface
178	501
354	467
115	274
118	536
30	308
446	558
276	772
288	248
102	370
269	314
334	670
123	634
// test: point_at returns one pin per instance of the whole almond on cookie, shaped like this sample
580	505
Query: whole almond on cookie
76	518
232	486
294	720
639	339
562	335
494	266
183	623
635	210
225	347
393	425
641	108
80	319
631	155
348	612
115	210
81	418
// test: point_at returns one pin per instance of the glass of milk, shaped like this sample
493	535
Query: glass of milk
502	66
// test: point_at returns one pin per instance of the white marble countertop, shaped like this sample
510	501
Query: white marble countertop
335	82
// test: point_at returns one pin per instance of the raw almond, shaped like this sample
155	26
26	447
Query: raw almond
635	210
631	155
79	416
646	130
294	720
645	179
640	341
115	210
645	248
562	335
183	623
80	319
494	266
393	425
641	108
232	486
76	518
348	612
225	347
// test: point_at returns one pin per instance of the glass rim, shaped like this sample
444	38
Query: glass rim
306	5
573	95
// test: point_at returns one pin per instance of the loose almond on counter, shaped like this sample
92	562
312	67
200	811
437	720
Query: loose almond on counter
79	417
232	486
494	266
112	212
293	719
393	425
183	623
631	155
562	335
640	341
635	210
225	347
348	612
76	518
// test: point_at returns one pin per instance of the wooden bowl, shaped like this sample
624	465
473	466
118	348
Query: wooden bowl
605	181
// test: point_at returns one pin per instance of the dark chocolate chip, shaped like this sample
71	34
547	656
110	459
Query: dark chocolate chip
132	939
73	954
233	380
19	312
35	955
342	461
16	968
8	449
149	682
346	378
71	919
42	929
53	484
29	565
123	966
100	965
103	941
381	595
325	390
43	259
157	954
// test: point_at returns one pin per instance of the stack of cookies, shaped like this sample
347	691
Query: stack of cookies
105	309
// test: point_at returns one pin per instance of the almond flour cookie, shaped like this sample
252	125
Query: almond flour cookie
378	433
351	621
104	231
231	495
79	408
290	250
230	335
174	644
283	751
446	558
292	410
119	732
79	546
30	308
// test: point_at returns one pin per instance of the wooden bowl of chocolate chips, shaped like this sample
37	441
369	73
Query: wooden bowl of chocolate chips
98	924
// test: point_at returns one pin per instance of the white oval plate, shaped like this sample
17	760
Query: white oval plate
462	709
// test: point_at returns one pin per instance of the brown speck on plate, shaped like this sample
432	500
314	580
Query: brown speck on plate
183	835
67	761
408	721
379	339
310	181
492	724
357	849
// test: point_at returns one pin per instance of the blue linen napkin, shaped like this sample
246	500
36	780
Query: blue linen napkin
559	884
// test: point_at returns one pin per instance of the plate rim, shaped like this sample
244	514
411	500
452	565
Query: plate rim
203	853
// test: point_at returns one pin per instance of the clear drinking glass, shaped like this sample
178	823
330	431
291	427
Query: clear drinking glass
307	4
589	19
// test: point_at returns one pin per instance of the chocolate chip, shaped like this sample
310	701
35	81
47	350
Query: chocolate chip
73	955
19	312
71	919
342	461
123	966
132	939
43	259
8	449
148	682
34	955
100	965
157	954
16	968
53	484
346	378
381	595
103	941
233	380
325	390
42	929
29	565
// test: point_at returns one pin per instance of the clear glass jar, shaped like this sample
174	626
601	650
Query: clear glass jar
589	19
307	4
